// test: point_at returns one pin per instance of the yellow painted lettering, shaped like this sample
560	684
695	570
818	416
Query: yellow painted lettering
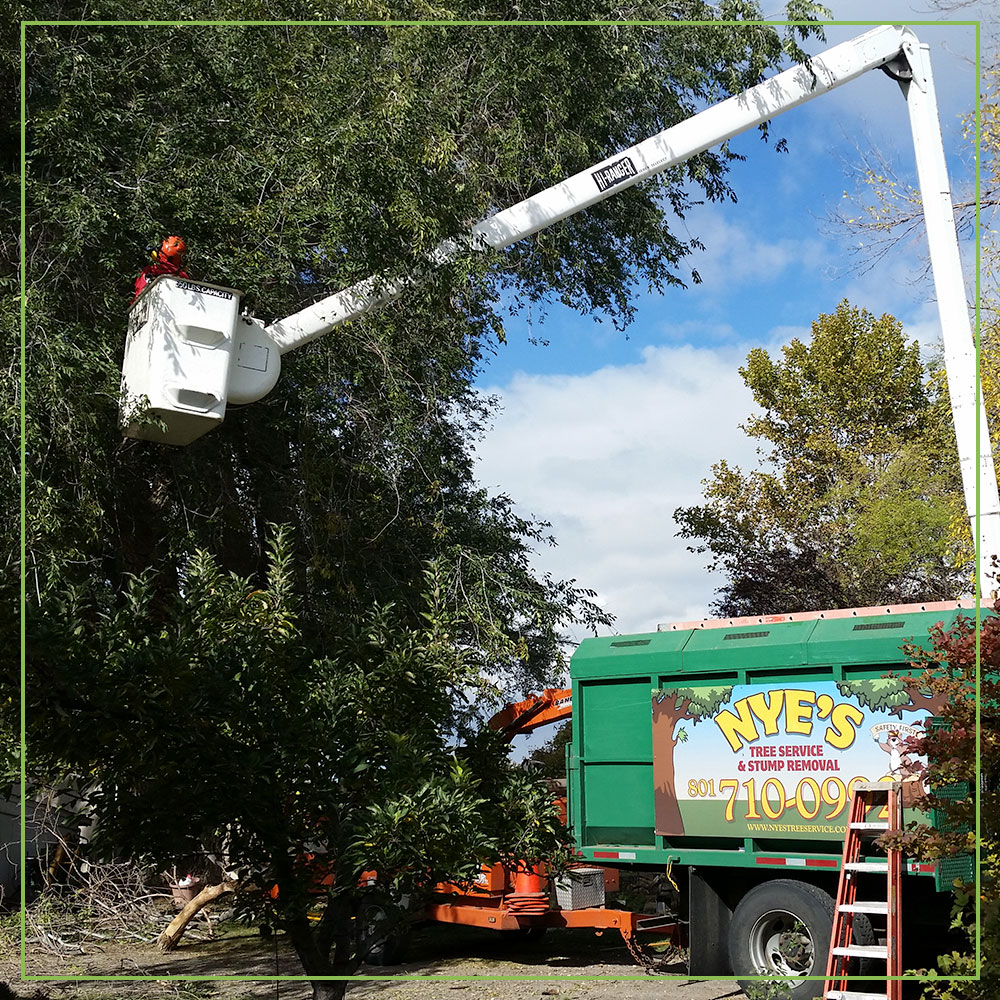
798	712
843	720
767	707
738	728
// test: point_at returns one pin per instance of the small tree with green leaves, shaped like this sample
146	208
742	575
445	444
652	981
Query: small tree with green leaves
312	762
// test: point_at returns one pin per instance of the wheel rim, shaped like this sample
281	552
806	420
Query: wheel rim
373	920
781	944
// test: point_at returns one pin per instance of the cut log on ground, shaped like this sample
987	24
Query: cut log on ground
167	941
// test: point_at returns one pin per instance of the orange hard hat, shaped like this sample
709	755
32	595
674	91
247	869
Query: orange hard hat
172	246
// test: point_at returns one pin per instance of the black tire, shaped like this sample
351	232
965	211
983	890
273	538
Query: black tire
863	933
782	929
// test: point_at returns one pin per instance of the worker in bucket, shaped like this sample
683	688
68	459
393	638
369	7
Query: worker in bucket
169	259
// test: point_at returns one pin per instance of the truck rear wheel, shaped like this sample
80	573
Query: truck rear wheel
782	929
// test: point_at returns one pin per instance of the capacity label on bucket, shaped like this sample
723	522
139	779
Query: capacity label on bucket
191	286
753	760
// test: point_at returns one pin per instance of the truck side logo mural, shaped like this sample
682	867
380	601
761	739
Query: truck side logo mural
767	761
614	173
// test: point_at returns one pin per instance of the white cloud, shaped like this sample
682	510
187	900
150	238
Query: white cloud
607	457
735	255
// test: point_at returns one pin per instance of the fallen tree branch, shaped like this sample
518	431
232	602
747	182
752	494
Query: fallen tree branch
167	941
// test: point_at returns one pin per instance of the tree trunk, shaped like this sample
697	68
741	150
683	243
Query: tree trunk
667	818
167	941
312	944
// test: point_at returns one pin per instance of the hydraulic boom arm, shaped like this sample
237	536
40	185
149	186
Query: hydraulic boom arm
552	705
189	368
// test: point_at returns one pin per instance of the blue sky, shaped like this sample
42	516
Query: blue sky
605	436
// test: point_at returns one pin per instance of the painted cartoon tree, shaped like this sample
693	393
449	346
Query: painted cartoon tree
893	694
897	694
669	709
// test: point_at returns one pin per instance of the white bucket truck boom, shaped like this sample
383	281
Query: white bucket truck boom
188	351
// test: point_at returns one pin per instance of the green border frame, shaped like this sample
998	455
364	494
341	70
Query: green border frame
23	470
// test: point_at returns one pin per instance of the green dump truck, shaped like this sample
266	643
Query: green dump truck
726	751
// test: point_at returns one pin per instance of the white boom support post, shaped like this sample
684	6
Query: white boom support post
254	362
978	472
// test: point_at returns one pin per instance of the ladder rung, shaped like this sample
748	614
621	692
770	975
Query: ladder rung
863	951
869	826
852	995
867	866
872	907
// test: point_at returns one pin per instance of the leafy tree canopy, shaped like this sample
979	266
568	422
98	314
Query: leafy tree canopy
857	498
295	161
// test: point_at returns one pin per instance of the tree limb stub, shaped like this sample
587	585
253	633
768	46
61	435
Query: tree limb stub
167	941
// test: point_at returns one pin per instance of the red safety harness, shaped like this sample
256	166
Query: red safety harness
154	270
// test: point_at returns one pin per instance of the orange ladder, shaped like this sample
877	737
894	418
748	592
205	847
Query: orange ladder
866	796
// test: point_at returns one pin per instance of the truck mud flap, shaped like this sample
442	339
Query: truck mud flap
710	914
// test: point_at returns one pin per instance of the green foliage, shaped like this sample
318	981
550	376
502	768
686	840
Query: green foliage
295	161
305	760
856	498
549	760
767	987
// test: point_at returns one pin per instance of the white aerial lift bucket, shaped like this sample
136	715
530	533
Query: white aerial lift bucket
188	353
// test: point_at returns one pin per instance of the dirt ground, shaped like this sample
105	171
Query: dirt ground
568	965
